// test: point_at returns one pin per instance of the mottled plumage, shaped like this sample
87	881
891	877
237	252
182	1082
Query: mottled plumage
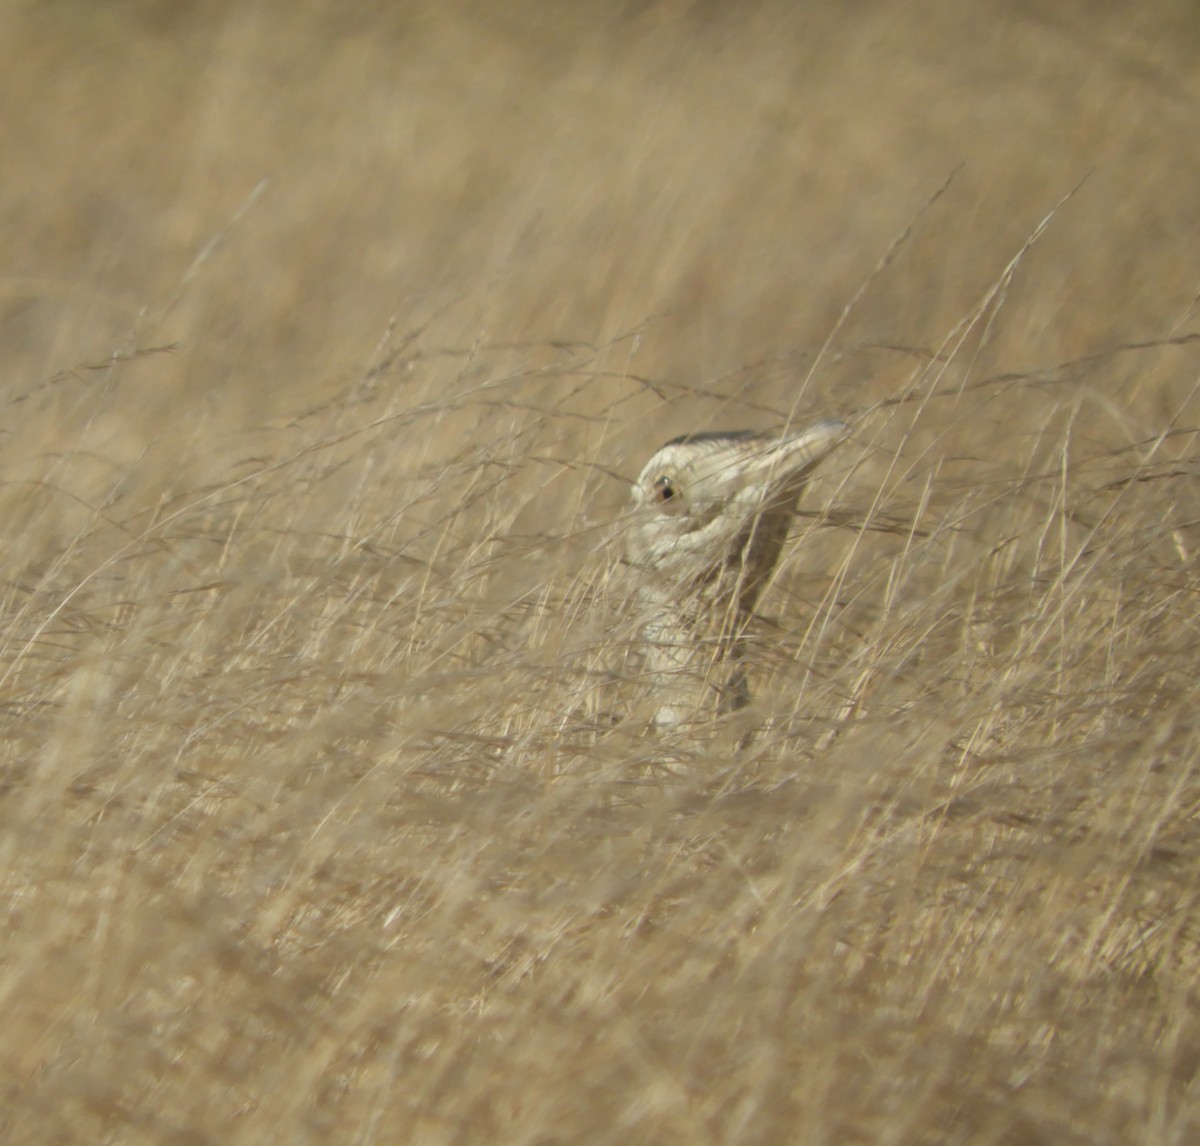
711	514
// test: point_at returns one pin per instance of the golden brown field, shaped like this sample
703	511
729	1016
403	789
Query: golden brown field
332	336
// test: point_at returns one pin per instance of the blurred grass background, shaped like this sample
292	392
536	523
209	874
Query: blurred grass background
332	334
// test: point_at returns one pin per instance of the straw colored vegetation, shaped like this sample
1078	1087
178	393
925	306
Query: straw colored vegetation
332	336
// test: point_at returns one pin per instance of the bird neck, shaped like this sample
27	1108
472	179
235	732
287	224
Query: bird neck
694	660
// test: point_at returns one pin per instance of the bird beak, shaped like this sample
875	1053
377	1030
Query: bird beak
781	465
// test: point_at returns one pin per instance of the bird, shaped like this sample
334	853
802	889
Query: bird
711	512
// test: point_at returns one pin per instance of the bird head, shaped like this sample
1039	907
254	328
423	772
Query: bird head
698	499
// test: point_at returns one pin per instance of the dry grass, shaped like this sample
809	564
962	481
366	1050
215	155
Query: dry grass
330	335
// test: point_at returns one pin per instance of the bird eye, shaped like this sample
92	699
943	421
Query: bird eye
667	495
